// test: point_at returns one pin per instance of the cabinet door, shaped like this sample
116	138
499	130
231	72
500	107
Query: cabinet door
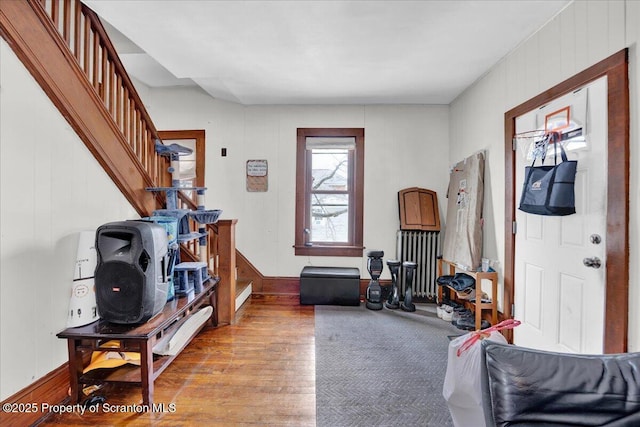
418	209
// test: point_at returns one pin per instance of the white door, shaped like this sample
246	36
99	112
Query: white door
559	290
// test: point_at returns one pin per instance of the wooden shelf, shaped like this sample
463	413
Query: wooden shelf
141	338
449	268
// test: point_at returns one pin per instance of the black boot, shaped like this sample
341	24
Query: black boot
410	268
393	302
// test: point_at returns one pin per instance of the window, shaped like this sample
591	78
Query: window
329	192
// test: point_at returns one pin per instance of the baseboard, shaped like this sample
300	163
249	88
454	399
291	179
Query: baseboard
280	286
50	389
243	295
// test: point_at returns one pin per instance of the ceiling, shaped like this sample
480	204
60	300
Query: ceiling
320	52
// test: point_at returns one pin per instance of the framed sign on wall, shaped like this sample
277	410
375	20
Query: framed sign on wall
257	175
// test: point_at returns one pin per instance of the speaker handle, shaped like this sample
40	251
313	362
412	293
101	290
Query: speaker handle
165	267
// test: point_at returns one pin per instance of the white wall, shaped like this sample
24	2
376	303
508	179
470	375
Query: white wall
405	146
51	188
583	34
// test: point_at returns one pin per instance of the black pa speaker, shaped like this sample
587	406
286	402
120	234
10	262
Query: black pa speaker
131	273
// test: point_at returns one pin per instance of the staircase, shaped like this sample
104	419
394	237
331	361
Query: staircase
65	47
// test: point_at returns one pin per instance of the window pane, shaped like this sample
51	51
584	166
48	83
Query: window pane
329	218
330	169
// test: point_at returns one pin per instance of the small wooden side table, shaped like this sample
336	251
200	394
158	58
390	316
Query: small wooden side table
83	340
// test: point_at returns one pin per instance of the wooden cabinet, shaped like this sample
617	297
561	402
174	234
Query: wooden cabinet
449	268
418	209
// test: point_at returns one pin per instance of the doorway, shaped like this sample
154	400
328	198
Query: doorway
191	167
557	296
616	280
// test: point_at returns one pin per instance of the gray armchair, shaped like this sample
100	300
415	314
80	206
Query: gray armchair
526	387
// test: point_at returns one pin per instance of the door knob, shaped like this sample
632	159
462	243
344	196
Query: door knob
595	239
592	262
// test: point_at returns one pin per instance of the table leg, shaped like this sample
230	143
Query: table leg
75	369
212	300
146	372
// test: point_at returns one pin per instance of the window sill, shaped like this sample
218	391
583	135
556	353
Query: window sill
320	250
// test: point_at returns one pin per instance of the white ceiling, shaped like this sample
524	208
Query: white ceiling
320	52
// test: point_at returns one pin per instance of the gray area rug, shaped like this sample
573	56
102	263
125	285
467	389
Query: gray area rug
380	368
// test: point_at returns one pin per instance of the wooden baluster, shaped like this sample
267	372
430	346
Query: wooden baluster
107	89
147	153
153	164
125	113
134	136
165	172
87	48
66	21
132	122
96	60
140	137
104	76
77	34
118	105
145	146
55	13
213	250
151	153
112	90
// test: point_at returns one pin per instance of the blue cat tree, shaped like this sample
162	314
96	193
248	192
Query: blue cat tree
187	277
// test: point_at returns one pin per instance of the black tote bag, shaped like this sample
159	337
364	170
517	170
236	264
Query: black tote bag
549	190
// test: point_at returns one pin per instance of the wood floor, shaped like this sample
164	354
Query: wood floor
259	371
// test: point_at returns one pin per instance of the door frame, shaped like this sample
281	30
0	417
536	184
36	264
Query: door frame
615	68
199	136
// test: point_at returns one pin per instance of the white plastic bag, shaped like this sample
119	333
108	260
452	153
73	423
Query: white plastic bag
462	382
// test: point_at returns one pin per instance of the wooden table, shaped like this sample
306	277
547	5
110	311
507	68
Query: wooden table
142	338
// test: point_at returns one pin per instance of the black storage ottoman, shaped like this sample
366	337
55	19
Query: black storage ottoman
330	286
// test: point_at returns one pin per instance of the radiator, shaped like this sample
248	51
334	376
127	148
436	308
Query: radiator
421	247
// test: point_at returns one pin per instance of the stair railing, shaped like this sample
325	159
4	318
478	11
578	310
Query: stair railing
79	29
90	45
